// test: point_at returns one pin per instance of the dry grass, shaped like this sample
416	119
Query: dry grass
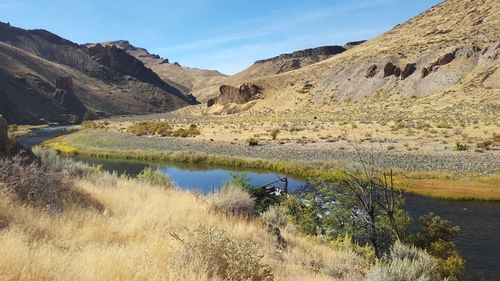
466	189
131	238
232	200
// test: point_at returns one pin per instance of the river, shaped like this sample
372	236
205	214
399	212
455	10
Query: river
478	241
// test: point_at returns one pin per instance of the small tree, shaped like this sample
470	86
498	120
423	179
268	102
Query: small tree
438	238
376	206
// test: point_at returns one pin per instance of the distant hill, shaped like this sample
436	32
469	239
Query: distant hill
186	79
46	78
453	48
287	62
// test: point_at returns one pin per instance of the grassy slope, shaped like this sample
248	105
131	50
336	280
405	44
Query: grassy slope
434	184
130	239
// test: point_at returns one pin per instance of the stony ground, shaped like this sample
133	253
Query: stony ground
455	161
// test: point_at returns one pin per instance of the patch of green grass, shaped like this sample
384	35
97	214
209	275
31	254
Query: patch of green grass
440	184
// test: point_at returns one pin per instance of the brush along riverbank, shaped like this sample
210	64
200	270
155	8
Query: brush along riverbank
453	175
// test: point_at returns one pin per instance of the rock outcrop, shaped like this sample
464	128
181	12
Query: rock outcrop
408	70
4	136
320	51
372	71
64	95
390	69
445	59
9	147
229	94
350	45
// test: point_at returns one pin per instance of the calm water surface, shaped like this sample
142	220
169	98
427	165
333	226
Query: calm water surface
478	242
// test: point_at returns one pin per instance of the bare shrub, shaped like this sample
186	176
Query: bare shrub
233	200
38	186
225	257
404	263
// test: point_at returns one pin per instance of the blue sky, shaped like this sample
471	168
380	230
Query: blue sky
214	34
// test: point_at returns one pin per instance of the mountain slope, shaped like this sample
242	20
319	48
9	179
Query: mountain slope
186	79
99	80
452	47
205	84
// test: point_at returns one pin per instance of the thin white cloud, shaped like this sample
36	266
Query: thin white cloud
231	60
279	21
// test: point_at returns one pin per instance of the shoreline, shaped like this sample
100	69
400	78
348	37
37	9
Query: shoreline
431	182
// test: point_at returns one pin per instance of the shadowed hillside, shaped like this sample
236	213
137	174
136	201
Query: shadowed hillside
104	80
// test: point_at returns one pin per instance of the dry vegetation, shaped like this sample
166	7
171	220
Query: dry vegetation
432	124
123	229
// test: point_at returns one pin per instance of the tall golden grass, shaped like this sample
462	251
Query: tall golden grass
134	238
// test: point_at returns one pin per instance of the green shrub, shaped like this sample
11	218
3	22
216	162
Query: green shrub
484	144
460	147
274	134
253	141
275	216
496	138
225	257
443	125
53	162
346	243
89	124
154	176
240	180
302	216
161	128
347	266
438	238
404	263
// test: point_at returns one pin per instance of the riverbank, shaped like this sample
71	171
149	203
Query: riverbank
98	226
458	176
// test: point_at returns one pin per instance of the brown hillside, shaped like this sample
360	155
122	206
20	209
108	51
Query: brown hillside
451	48
187	79
103	81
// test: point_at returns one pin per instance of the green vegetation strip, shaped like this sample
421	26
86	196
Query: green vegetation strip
435	184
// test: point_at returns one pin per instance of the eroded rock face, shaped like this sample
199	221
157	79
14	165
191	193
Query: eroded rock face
389	69
372	71
64	95
229	94
408	70
4	136
9	148
445	59
320	51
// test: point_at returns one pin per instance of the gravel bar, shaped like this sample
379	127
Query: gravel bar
454	161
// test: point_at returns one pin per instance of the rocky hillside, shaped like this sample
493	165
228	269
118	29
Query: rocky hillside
292	61
453	48
187	79
46	78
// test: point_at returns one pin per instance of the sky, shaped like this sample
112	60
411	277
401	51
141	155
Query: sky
227	35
